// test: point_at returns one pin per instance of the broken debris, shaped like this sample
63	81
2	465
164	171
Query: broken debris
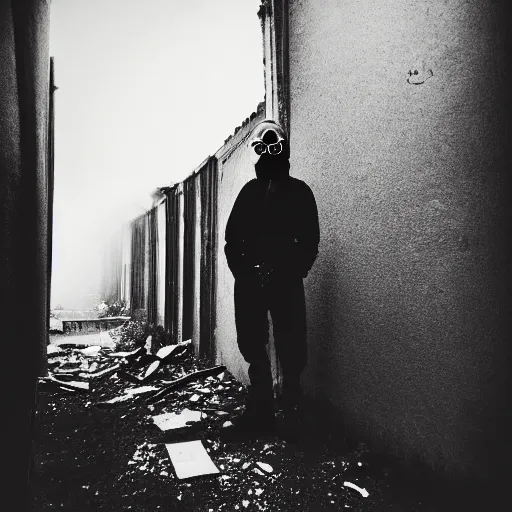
128	395
140	390
265	467
102	373
364	493
152	363
53	350
74	385
92	350
127	355
171	420
185	380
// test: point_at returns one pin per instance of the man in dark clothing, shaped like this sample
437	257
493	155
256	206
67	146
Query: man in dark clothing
272	237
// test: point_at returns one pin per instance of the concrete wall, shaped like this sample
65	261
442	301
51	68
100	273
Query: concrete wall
24	84
409	300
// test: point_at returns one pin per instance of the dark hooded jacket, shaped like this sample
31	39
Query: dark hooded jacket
273	223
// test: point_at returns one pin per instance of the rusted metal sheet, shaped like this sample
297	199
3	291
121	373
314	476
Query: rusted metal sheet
138	299
189	216
185	301
208	183
152	270
172	264
161	222
196	322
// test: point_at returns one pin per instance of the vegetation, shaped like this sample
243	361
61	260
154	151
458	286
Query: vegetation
112	308
134	333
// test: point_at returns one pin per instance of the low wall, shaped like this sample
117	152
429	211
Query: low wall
73	326
75	314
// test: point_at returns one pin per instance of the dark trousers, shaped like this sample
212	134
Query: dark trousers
283	297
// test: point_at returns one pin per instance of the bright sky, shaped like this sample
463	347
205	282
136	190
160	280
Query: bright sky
147	90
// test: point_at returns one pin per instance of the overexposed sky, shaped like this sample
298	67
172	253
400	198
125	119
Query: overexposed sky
147	90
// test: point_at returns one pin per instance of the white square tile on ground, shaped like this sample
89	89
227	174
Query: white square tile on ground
190	459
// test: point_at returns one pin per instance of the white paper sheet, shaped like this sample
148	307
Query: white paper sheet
171	420
190	459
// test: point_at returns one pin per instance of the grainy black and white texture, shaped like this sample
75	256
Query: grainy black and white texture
399	120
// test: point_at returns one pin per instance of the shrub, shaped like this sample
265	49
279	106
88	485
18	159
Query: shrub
140	315
114	308
133	334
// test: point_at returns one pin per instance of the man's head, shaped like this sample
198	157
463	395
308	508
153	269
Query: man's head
269	151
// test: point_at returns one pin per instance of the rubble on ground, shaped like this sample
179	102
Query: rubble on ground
129	447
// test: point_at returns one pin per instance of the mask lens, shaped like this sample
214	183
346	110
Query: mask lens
275	149
259	148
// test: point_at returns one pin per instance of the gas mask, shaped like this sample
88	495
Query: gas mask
269	151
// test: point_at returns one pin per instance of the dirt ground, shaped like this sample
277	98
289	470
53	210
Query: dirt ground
92	458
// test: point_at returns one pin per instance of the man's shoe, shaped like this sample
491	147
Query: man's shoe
257	419
291	424
262	424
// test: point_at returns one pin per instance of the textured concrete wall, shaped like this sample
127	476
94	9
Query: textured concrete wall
409	300
24	84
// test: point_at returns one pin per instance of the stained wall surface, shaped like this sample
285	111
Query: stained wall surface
399	124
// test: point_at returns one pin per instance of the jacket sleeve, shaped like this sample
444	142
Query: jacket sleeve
309	237
234	237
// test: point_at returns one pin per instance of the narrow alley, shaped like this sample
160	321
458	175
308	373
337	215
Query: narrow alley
207	206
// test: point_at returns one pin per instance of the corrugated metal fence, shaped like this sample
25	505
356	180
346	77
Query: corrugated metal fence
208	183
172	262
166	260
